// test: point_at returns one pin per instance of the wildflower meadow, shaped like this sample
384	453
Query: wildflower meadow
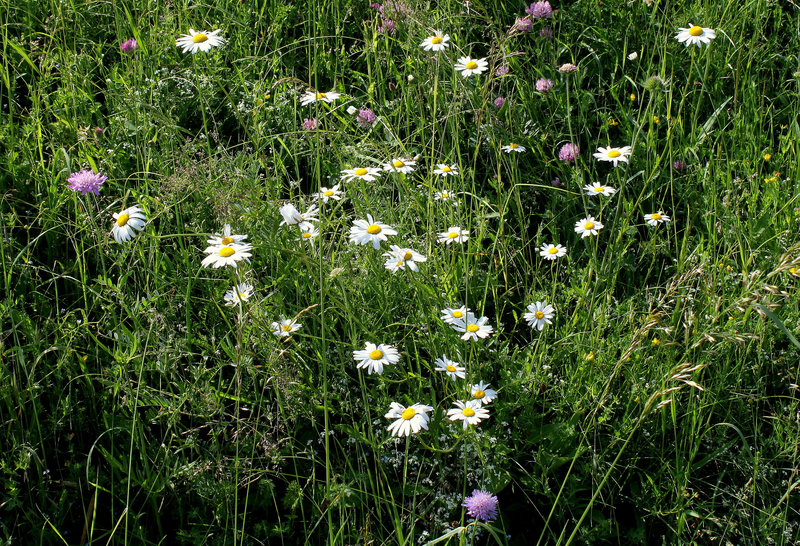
400	273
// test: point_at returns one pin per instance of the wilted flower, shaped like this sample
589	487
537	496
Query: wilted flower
567	67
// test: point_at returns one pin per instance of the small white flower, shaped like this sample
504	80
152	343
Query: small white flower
238	294
222	255
352	110
327	194
539	314
482	393
452	316
453	369
551	251
127	222
445	195
453	235
292	217
309	97
443	169
513	148
361	173
695	35
470	412
199	41
656	218
437	42
588	226
599	189
473	328
308	234
375	357
226	237
368	231
400	258
469	66
285	327
400	165
615	155
407	419
633	56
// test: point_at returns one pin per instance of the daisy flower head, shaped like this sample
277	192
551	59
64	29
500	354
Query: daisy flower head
473	328
400	258
615	155
127	222
367	231
453	316
551	251
226	237
293	217
539	314
508	148
443	169
453	234
86	181
308	233
326	194
199	41
285	327
695	35
437	42
453	369
375	357
482	393
469	66
222	255
599	189
444	195
238	294
588	226
470	412
310	97
407	419
361	173
481	505
400	165
657	218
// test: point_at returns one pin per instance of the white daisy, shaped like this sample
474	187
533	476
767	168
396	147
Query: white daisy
127	222
226	237
443	169
539	314
615	155
238	294
310	97
330	193
469	66
444	195
551	251
285	327
450	367
308	233
482	393
588	226
199	41
599	189
470	412
400	258
407	419
222	255
400	165
292	217
453	235
508	148
656	218
375	357
361	173
437	42
473	327
695	35
370	231
452	316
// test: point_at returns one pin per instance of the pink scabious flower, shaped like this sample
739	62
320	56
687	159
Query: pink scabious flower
310	124
567	67
481	505
543	85
86	182
546	32
499	102
540	10
366	117
128	46
568	152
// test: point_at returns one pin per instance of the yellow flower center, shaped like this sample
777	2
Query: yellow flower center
306	235
328	193
599	189
199	38
436	40
452	235
397	163
360	172
458	314
407	256
446	169
123	219
373	229
552	250
242	295
513	146
478	394
319	96
450	368
655	216
408	413
445	195
539	315
226	252
400	263
286	327
472	65
227	240
696	31
614	153
377	354
473	328
588	225
468	412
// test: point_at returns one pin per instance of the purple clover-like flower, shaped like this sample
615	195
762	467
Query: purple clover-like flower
481	505
546	32
387	26
502	70
543	85
86	182
128	46
523	24
568	152
499	102
310	124
679	165
366	117
540	10
556	182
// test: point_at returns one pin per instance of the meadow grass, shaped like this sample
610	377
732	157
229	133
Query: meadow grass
659	405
